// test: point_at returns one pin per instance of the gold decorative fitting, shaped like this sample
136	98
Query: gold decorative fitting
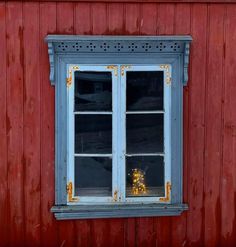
75	67
69	188
113	67
115	195
166	67
167	197
69	78
123	67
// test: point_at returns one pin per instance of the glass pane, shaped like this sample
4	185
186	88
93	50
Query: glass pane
145	176
144	90
93	134
93	176
93	91
144	133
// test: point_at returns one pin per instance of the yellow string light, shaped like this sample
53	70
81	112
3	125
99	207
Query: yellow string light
138	182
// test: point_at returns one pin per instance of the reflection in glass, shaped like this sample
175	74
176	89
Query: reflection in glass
93	91
144	90
145	172
144	133
93	134
93	176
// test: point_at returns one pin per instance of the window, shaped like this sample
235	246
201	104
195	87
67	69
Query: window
118	125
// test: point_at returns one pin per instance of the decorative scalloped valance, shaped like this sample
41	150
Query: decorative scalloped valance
76	44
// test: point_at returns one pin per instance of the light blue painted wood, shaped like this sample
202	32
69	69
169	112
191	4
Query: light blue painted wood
117	211
71	69
178	58
78	44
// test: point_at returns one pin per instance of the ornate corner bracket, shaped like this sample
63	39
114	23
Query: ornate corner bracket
186	62
167	198
51	63
69	189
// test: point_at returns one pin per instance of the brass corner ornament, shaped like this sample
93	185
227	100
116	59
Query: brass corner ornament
123	67
166	67
69	189
168	190
113	67
69	78
115	197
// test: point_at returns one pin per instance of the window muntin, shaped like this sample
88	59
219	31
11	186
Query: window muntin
92	128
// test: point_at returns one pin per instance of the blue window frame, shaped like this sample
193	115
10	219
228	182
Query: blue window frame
118	124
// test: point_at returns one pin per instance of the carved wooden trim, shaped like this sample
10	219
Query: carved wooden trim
77	44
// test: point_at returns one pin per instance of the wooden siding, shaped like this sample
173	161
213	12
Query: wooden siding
27	124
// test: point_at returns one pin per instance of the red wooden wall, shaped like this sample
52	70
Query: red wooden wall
27	124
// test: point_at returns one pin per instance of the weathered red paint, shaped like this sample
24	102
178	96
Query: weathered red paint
27	123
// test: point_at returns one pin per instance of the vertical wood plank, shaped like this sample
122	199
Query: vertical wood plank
146	232
116	18
213	136
228	192
148	19
100	233
15	79
195	221
31	123
65	25
130	232
3	130
116	230
165	23
47	111
83	23
132	19
65	18
99	18
83	233
182	27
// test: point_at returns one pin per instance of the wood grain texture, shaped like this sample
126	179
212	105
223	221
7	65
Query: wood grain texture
4	202
99	19
228	183
148	19
14	121
31	123
65	18
165	21
83	20
27	123
49	226
197	83
132	19
213	132
115	19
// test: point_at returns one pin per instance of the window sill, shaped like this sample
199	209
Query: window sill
116	211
